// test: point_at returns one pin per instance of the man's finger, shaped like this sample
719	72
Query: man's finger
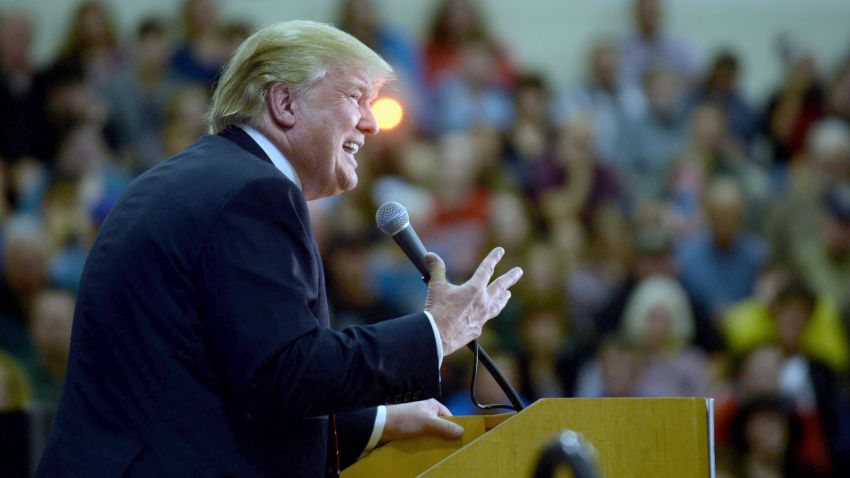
444	428
505	281
436	267
488	266
499	304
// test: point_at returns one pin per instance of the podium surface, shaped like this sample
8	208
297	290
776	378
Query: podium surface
633	437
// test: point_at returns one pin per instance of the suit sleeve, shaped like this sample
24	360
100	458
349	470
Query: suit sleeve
259	283
354	429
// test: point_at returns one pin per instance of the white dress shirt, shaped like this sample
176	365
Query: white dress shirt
285	167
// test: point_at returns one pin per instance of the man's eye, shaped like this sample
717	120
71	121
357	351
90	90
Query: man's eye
355	96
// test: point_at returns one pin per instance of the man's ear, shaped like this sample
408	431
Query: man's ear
280	105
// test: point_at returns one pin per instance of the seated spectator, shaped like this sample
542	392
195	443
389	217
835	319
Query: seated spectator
67	101
50	321
543	279
20	102
469	96
25	255
659	322
184	118
719	266
823	259
794	108
720	86
712	152
592	283
650	45
605	98
766	433
797	212
570	181
543	338
459	229
753	374
615	372
139	96
456	24
531	131
92	40
655	136
202	53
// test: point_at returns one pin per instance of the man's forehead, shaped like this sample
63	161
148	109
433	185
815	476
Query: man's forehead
354	77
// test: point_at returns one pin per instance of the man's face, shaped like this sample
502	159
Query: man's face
332	119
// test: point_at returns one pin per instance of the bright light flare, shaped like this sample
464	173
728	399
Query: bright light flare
388	113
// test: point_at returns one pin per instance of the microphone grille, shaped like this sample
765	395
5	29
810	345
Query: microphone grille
392	217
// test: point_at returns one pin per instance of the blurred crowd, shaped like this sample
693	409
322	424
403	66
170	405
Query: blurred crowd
678	238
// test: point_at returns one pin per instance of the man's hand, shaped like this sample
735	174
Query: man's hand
413	419
460	311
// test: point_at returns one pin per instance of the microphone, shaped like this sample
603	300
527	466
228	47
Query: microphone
569	448
393	220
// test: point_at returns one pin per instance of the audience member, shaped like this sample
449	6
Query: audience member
659	322
720	86
202	52
19	99
654	137
611	102
541	370
139	96
651	46
50	320
767	433
470	96
794	107
531	130
615	372
455	25
795	215
719	266
823	260
93	42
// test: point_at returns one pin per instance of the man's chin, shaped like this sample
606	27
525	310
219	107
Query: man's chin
347	183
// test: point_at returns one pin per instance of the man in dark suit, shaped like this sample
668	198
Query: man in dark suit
201	342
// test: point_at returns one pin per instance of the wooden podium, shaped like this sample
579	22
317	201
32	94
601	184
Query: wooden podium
633	437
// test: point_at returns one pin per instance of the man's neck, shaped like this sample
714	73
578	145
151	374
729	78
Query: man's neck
274	152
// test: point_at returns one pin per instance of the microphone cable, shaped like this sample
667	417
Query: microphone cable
480	355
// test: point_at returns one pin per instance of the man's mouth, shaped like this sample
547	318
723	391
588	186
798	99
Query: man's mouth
351	147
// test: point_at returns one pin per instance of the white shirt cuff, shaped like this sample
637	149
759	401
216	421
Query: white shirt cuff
436	338
377	430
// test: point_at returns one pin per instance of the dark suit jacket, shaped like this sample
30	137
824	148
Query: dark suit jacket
201	344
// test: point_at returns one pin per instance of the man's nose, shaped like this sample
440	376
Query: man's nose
368	124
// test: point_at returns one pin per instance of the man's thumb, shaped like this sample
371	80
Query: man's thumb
436	267
444	428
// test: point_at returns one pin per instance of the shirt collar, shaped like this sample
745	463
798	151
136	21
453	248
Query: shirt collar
277	157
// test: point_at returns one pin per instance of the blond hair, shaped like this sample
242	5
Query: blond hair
295	53
659	291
